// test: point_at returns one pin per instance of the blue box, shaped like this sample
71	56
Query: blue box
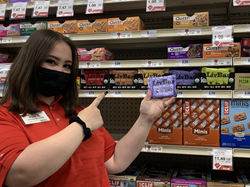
235	123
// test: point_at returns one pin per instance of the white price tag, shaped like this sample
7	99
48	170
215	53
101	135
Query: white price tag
2	11
244	94
85	1
188	32
118	0
183	62
150	148
151	34
152	63
6	40
247	28
179	94
155	5
115	93
143	93
65	8
222	36
89	64
219	62
88	93
222	158
66	35
241	2
41	9
245	60
209	94
115	35
114	64
24	38
94	7
18	10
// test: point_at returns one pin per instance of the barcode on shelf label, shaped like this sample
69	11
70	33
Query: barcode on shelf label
150	148
152	63
245	60
244	94
114	64
143	93
179	94
188	32
115	35
184	62
88	93
24	38
219	62
115	94
6	40
247	28
90	64
209	94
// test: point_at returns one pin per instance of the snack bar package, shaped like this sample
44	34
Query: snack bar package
26	28
199	19
124	77
95	76
235	123
68	27
11	30
201	122
129	24
151	73
221	52
167	129
95	54
217	76
164	86
99	25
6	57
184	77
179	52
242	81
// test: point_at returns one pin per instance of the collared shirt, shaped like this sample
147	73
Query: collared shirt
86	167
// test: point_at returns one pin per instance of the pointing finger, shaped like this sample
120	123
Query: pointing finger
98	100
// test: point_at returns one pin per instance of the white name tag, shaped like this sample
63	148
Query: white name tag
35	118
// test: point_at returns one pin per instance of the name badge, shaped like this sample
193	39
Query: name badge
35	118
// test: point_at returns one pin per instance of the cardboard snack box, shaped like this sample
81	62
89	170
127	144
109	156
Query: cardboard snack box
201	122
221	52
99	25
26	28
199	19
68	27
242	81
179	52
11	30
95	54
129	24
167	129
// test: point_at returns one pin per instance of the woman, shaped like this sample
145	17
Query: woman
46	140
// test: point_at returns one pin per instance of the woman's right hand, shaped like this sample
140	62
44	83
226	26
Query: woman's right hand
92	115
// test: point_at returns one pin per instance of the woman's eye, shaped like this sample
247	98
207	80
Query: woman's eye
50	61
67	66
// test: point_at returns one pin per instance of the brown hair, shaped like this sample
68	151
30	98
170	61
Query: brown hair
21	84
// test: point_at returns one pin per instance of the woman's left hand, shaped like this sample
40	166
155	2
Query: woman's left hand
151	109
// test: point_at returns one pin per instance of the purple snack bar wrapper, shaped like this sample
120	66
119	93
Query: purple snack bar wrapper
184	77
162	86
17	1
191	51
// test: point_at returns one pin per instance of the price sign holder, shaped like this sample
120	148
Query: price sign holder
65	8
114	64
209	94
152	63
89	93
155	5
222	158
6	40
152	148
115	93
2	11
188	32
94	7
183	62
117	35
222	36
18	10
90	64
179	94
241	2
41	9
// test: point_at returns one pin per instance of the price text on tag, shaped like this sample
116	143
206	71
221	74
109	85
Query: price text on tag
142	93
18	10
222	36
6	40
244	94
2	11
152	63
41	9
89	93
222	159
114	64
155	5
90	65
149	148
121	35
115	94
219	62
245	60
209	94
94	7
65	8
179	94
241	2
188	32
182	62
24	38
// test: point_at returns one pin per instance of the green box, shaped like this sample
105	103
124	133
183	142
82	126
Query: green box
26	28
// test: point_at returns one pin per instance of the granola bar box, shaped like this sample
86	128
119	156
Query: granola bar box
199	19
68	27
179	52
11	30
85	26
221	52
27	28
95	54
235	123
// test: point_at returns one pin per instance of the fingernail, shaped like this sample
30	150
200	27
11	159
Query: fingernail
105	93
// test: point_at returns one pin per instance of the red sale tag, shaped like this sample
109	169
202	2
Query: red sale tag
241	2
155	5
18	10
94	7
65	8
41	9
2	11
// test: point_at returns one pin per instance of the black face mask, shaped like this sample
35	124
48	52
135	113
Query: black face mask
51	82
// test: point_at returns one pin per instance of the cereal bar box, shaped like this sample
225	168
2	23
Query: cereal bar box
129	24
95	54
27	28
85	26
221	52
235	123
68	27
201	122
179	52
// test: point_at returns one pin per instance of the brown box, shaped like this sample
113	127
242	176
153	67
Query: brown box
201	122
242	81
199	19
68	27
167	129
85	26
129	24
221	52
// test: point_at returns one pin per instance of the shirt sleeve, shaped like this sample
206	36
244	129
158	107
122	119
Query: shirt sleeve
109	145
12	142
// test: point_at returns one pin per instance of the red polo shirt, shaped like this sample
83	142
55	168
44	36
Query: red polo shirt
86	167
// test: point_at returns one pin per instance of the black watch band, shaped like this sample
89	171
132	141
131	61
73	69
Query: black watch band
86	130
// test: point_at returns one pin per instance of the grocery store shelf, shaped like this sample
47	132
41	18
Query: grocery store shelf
205	94
242	61
241	153
241	94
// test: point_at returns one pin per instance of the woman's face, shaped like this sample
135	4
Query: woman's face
59	58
